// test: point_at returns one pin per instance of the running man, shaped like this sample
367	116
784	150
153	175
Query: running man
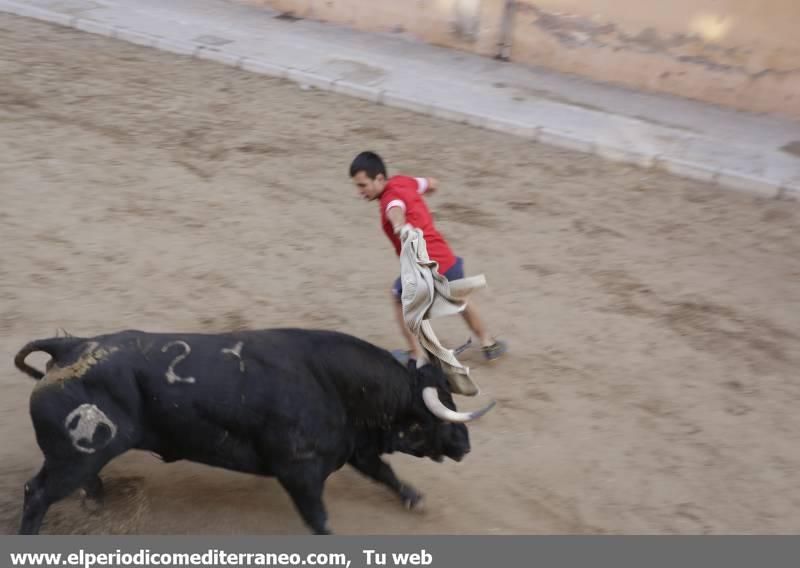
401	201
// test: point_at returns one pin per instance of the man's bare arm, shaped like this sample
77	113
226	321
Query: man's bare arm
427	185
397	217
433	185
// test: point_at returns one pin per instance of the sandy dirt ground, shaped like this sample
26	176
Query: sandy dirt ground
654	322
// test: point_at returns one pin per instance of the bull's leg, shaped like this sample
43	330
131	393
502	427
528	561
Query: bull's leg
51	484
305	489
93	493
375	468
35	504
94	488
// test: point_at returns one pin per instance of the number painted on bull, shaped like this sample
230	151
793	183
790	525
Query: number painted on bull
89	428
236	351
172	376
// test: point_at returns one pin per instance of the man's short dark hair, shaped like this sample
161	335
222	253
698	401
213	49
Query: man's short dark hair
368	162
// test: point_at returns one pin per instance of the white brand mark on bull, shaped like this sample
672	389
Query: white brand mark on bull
82	425
173	377
236	352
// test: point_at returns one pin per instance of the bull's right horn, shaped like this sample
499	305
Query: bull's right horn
438	409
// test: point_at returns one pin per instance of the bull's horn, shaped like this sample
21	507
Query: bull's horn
431	399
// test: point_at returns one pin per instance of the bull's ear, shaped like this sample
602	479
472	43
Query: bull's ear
429	376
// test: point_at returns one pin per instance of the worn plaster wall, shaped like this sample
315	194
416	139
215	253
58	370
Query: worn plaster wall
740	53
470	25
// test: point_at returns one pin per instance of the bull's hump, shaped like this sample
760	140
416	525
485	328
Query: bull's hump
92	355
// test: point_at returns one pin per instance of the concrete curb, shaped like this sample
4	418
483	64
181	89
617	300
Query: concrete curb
132	36
358	91
689	170
263	68
614	154
737	181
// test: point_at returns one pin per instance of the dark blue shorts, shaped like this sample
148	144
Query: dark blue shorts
456	272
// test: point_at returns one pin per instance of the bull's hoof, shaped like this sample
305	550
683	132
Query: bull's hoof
93	495
412	499
92	505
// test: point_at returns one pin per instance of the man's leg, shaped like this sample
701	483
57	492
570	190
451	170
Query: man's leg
492	349
475	324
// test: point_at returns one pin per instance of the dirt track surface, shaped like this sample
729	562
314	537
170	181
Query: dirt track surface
654	322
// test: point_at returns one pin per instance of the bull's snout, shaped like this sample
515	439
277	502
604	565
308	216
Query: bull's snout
461	455
457	445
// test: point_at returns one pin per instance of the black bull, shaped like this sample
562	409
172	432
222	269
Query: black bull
286	403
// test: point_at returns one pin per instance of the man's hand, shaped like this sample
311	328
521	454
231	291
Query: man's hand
433	185
404	230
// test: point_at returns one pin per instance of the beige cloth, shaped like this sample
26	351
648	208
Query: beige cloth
427	295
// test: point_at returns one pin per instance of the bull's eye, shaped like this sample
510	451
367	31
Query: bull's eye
27	489
401	435
414	427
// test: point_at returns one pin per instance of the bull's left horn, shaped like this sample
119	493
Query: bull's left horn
438	409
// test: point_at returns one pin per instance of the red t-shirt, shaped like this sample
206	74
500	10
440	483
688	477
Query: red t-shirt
406	192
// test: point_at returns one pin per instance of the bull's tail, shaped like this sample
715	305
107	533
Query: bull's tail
54	346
